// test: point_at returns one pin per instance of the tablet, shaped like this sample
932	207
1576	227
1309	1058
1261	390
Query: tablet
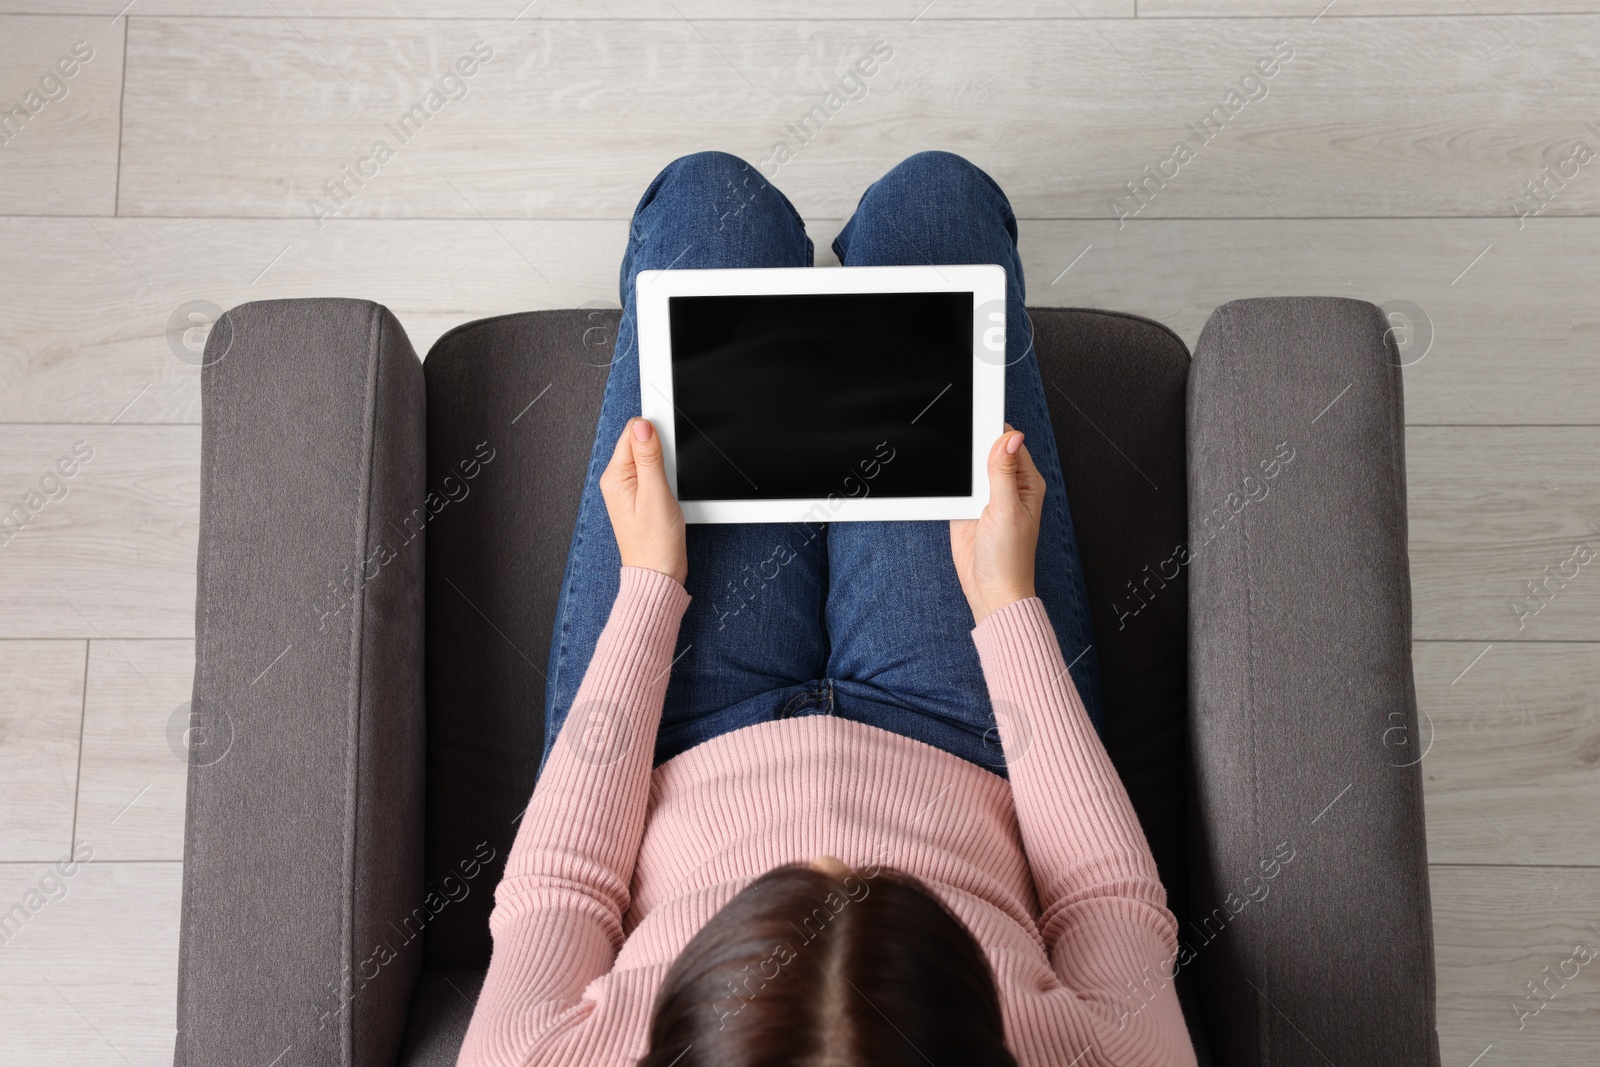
830	394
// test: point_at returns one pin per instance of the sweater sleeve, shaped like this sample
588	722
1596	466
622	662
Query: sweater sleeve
557	920
1111	940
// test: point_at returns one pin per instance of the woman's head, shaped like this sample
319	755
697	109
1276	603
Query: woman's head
821	966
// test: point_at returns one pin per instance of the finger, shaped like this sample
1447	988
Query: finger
622	455
647	456
620	470
1004	466
646	443
1030	483
1030	487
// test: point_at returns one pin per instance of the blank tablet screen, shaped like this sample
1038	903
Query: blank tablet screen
802	396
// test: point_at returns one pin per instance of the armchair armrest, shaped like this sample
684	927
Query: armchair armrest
1311	927
303	844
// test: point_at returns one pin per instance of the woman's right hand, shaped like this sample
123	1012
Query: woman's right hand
645	515
994	554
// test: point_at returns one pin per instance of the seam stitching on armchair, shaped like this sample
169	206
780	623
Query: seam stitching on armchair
1235	349
355	688
1394	376
202	668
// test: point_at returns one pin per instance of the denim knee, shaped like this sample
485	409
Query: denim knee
945	170
932	205
722	183
934	162
707	168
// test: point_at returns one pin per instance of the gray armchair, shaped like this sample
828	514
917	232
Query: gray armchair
382	542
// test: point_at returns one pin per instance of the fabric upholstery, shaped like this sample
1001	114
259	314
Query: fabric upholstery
1116	388
441	1009
1310	920
1116	384
303	847
495	560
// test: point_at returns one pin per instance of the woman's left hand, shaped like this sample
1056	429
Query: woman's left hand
645	516
994	554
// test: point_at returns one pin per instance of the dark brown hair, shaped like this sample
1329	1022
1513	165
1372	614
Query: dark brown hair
805	969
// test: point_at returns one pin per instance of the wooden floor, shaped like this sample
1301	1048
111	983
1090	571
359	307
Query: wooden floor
1385	160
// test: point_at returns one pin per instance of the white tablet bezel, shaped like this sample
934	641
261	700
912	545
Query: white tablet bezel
987	283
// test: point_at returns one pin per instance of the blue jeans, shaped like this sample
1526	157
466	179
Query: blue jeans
863	620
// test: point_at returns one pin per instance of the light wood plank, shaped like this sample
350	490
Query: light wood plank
41	710
1062	112
1352	8
92	978
58	134
1511	734
115	556
344	89
1495	930
88	335
1515	339
1492	511
135	768
540	10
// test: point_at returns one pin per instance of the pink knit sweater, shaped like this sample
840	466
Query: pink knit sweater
616	866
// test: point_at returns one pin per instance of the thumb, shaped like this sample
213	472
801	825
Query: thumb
646	445
1005	460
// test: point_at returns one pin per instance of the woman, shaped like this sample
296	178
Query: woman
795	809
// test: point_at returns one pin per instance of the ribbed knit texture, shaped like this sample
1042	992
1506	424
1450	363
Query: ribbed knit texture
616	866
